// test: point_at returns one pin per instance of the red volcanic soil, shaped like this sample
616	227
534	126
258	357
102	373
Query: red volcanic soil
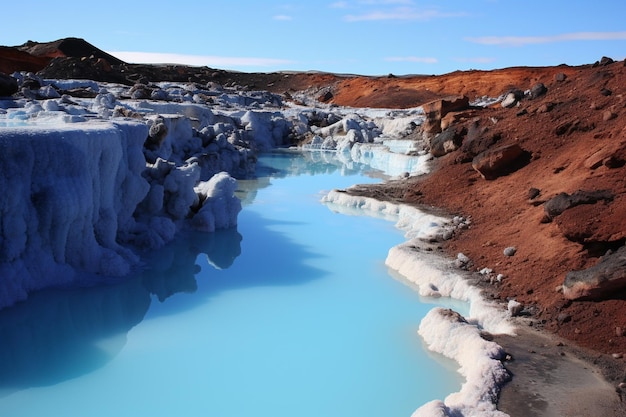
412	91
568	132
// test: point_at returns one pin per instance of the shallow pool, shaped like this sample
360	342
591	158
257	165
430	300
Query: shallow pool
292	314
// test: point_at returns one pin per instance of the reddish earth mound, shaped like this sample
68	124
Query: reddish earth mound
412	91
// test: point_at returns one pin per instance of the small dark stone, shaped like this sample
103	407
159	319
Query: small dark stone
533	193
606	92
31	84
560	77
327	96
564	318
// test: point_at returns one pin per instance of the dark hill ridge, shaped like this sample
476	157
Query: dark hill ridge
68	47
76	58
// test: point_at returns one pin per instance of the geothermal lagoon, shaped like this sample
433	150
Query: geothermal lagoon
292	312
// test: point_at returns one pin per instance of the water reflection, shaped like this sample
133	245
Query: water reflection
57	334
61	334
281	163
173	268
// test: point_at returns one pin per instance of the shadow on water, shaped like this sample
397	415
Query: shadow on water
61	334
269	259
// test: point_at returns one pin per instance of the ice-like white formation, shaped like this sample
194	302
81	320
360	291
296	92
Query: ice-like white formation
90	183
219	206
92	180
448	333
415	223
67	191
443	331
374	137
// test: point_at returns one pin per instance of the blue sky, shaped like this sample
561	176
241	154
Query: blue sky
370	37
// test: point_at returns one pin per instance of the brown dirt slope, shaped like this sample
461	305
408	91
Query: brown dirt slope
569	132
412	91
575	135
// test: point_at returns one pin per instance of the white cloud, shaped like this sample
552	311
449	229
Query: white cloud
400	13
282	17
422	60
339	5
197	60
565	37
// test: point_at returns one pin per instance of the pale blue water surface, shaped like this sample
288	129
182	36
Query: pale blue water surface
293	313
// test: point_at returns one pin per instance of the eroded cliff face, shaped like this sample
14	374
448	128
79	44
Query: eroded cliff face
66	195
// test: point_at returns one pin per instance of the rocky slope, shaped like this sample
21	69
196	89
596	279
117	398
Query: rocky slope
559	200
560	133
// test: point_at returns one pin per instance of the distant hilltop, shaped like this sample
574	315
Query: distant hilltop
35	56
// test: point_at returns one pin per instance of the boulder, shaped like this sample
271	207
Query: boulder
538	90
447	141
605	60
509	101
436	110
596	226
601	281
494	163
563	201
327	96
8	85
479	138
560	77
512	98
610	156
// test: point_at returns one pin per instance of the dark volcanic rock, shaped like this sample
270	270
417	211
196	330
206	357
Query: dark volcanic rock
8	85
603	280
563	201
479	138
503	160
447	141
538	90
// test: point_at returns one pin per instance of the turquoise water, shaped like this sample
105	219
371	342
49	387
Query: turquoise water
291	314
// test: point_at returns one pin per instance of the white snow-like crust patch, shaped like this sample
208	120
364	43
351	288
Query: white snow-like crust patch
443	331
